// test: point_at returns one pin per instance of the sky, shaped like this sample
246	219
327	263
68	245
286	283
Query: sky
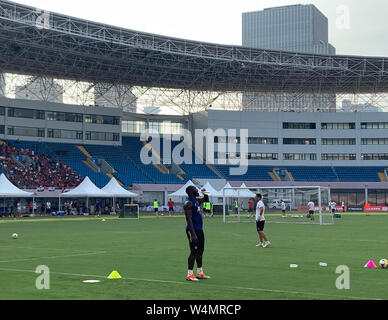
356	27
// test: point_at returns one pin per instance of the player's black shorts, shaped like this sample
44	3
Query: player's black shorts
200	247
260	225
311	211
333	210
156	209
171	209
283	211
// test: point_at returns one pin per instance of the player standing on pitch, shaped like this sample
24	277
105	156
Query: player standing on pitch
260	221
194	231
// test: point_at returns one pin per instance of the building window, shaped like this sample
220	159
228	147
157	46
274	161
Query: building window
97	119
64	134
233	140
102	136
133	126
26	132
371	141
374	156
338	141
64	116
374	125
338	126
298	125
338	156
262	140
304	141
300	156
26	113
263	156
2	111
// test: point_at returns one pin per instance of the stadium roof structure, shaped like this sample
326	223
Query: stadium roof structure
46	44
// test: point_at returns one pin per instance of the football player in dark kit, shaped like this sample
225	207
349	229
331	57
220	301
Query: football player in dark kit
195	234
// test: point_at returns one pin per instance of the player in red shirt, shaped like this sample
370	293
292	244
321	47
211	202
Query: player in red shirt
170	207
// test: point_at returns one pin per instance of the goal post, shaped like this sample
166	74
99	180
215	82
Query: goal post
130	211
236	204
285	204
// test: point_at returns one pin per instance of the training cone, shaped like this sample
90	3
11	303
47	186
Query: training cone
370	264
114	275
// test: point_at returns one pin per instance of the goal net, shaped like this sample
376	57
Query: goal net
289	204
131	211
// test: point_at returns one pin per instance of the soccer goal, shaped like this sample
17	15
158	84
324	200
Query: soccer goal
130	211
286	204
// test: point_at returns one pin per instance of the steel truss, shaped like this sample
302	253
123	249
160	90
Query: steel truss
53	45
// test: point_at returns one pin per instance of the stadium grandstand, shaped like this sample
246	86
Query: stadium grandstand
69	101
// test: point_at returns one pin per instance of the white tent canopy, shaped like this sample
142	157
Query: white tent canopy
244	192
7	189
117	191
241	192
211	191
181	192
86	189
228	193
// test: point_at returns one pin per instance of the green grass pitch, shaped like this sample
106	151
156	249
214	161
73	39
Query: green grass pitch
151	256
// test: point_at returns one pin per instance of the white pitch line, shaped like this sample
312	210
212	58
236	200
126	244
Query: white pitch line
55	257
210	285
40	248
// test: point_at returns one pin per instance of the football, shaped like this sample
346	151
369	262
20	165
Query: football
15	236
383	263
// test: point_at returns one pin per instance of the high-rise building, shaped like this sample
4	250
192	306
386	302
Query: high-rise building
296	28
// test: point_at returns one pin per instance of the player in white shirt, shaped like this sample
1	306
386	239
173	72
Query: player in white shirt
332	205
283	206
311	206
260	221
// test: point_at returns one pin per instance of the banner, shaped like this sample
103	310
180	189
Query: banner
376	209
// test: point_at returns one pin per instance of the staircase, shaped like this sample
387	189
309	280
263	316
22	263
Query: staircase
218	173
91	165
84	151
112	176
335	173
159	165
273	176
383	176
